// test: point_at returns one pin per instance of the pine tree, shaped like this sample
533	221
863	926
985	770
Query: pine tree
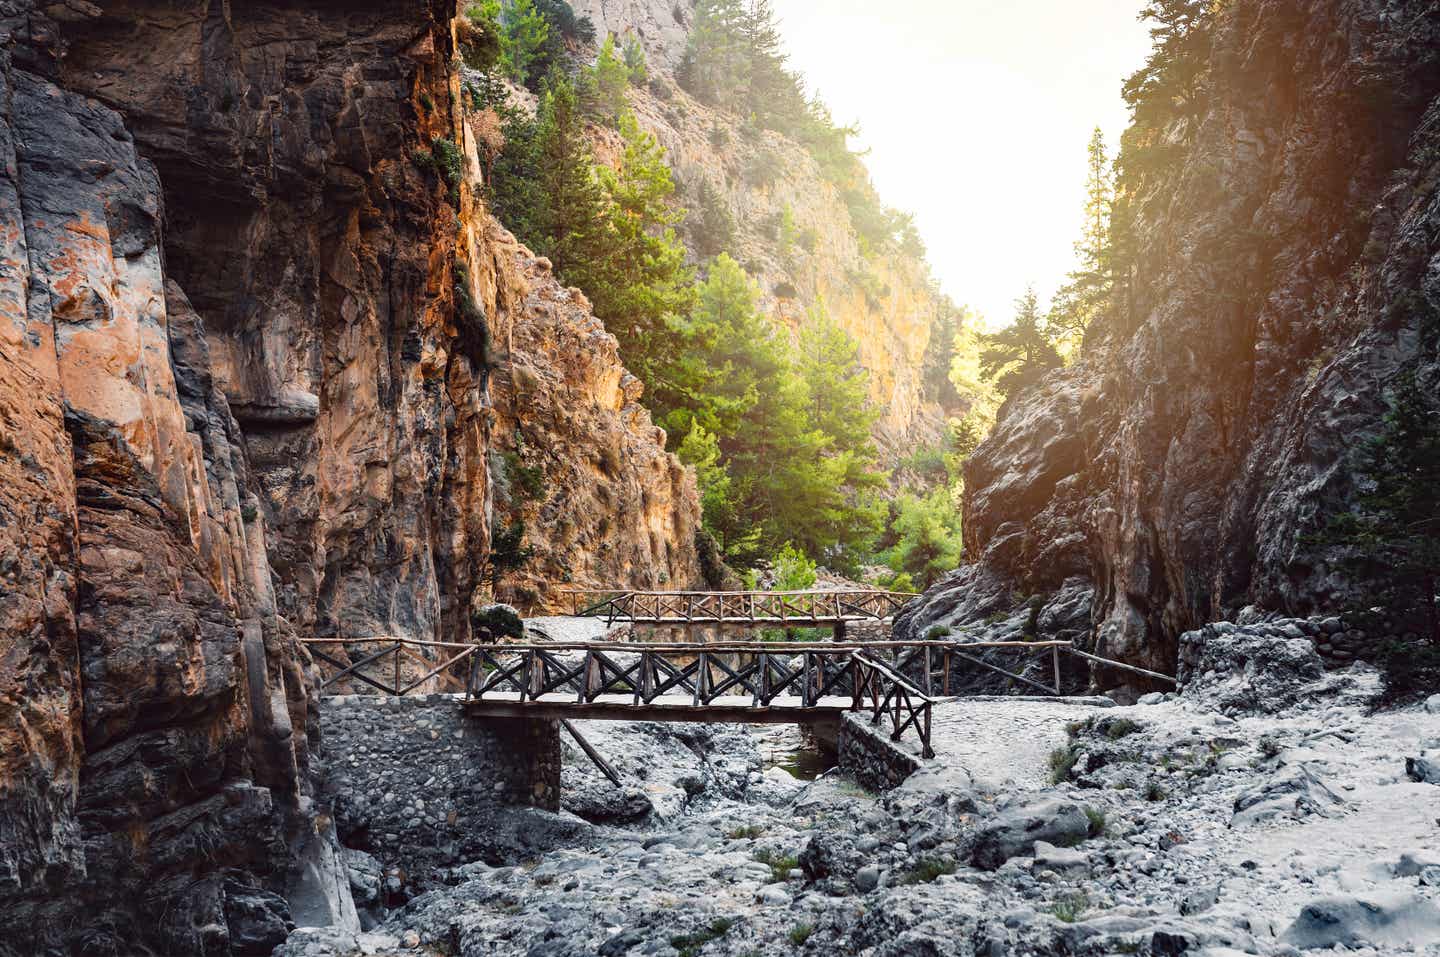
1086	293
1021	353
635	60
573	204
526	31
713	62
836	384
700	449
1390	539
837	389
939	357
637	280
1171	83
611	81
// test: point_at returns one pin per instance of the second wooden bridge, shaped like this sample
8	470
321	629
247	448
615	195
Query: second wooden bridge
791	609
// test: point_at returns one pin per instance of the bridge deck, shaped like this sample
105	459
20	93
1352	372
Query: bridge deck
784	709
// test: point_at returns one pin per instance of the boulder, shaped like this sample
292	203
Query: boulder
1424	769
1064	861
259	921
1244	670
1399	919
1413	863
1296	791
1015	830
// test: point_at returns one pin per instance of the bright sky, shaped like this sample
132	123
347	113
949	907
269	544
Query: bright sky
976	114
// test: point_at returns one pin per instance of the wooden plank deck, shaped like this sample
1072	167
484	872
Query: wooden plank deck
785	709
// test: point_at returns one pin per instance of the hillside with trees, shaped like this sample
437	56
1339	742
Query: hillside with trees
801	360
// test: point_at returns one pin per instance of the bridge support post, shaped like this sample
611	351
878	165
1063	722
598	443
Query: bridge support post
838	631
531	772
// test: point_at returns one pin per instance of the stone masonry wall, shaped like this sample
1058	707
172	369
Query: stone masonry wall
419	785
867	752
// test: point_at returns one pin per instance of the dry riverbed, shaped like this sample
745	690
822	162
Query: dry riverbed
1264	811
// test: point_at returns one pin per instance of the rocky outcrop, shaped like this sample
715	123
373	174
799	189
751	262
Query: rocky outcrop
249	311
662	26
1285	278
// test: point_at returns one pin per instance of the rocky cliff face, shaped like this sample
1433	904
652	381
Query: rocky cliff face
575	456
884	300
249	316
1286	276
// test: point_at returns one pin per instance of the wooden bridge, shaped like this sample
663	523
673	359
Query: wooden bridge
751	682
790	609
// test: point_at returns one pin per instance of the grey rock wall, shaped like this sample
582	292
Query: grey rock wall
1287	274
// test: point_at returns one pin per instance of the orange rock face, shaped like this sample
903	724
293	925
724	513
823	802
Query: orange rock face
261	358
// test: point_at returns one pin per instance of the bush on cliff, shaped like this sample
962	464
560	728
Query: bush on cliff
1019	354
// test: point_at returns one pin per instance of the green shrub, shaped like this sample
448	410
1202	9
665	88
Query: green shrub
1119	728
936	632
745	832
780	864
1096	817
801	933
1409	670
470	319
1062	761
449	164
927	870
497	621
1154	792
1070	909
526	482
690	944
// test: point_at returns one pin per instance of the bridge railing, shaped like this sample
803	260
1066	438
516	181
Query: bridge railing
806	674
890	679
384	668
739	607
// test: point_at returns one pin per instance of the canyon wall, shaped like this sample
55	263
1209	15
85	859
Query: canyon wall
1287	275
250	315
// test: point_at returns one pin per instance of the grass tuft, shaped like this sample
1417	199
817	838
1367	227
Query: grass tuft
1098	824
801	933
1062	762
1120	728
780	864
1070	909
689	945
927	870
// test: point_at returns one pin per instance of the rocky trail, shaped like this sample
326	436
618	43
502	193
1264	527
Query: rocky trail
1189	823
